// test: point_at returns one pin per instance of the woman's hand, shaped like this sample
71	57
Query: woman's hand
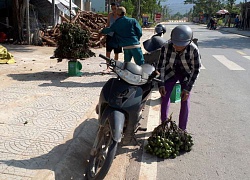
184	95
162	91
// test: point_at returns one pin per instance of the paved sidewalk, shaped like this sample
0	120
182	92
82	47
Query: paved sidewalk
231	30
43	111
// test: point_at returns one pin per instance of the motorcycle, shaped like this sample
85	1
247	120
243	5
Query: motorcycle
212	26
120	103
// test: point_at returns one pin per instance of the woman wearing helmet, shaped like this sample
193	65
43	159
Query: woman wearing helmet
160	30
179	61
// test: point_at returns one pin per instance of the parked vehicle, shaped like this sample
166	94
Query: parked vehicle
120	103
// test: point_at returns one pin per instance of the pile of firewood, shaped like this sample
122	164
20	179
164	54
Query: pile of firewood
91	22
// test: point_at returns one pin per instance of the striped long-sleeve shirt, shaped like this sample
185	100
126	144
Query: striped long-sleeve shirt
188	63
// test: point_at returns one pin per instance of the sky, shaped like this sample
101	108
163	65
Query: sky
179	6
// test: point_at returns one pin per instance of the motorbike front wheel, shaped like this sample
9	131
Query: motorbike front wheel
103	155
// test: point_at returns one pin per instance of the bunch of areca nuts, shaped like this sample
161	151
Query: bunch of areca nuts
168	140
73	42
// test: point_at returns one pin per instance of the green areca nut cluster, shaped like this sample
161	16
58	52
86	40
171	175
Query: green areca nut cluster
168	141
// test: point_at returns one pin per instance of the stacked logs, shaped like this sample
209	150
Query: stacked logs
91	22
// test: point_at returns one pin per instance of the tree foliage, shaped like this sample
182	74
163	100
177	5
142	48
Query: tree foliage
135	8
129	5
210	7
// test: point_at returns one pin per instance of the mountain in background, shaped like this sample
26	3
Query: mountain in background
179	6
175	6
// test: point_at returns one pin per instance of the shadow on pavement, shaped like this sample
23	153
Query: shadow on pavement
39	76
73	84
238	42
155	102
19	48
56	79
68	160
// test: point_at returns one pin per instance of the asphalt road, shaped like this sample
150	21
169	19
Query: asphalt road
219	118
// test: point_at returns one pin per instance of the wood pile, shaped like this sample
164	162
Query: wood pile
91	22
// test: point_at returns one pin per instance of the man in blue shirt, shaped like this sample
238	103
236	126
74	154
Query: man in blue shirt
127	34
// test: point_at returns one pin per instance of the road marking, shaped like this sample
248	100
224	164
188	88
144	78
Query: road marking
226	62
148	170
248	57
202	67
240	52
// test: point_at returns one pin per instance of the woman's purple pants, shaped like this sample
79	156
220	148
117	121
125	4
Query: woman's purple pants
165	103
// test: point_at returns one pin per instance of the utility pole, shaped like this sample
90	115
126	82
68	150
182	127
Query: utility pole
70	11
27	21
108	6
54	13
139	10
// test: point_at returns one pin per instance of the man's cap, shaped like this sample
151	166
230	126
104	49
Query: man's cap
121	10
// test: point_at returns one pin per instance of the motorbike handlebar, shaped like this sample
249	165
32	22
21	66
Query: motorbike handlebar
104	57
152	76
110	62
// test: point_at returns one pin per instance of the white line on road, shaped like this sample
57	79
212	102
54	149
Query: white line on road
202	67
229	64
240	52
248	57
148	170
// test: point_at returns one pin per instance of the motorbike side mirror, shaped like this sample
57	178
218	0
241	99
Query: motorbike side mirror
195	40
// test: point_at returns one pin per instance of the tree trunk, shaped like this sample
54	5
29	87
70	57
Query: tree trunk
18	19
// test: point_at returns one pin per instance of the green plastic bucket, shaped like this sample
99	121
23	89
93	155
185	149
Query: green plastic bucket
74	68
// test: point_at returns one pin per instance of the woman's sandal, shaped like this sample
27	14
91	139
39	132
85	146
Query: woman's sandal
106	71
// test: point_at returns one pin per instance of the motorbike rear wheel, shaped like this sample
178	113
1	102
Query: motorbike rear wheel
100	162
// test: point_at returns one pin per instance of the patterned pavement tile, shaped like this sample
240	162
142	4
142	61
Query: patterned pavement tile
40	149
5	130
26	132
15	145
43	122
52	135
5	99
17	172
4	161
10	95
49	114
30	148
3	140
27	112
82	106
13	177
21	120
